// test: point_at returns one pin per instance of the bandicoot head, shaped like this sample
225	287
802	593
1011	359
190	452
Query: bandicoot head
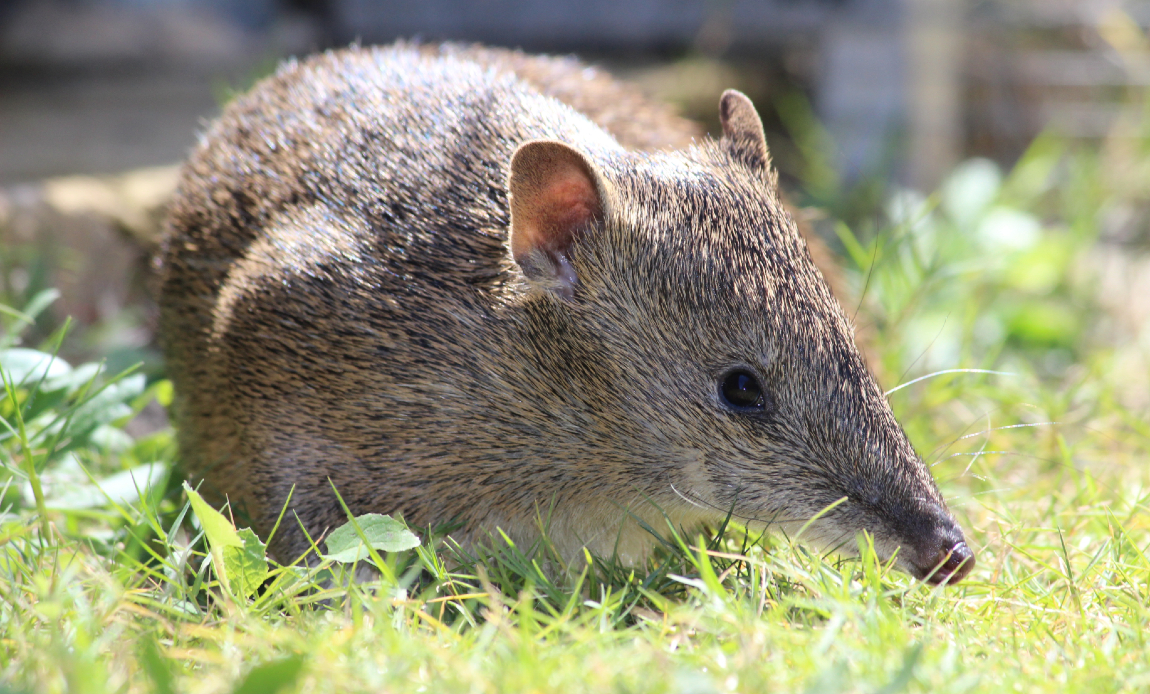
714	334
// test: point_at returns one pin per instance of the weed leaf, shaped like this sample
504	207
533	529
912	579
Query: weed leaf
233	553
26	366
246	566
383	533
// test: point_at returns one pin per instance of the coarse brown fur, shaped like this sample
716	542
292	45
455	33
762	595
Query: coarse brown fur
349	295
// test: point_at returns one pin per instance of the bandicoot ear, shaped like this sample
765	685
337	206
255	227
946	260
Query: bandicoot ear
556	195
743	129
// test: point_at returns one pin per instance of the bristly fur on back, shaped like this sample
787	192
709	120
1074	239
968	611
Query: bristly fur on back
422	275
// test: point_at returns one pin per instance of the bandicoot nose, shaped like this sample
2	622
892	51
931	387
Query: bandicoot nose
952	565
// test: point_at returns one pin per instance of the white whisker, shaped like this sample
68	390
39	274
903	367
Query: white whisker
1008	426
949	371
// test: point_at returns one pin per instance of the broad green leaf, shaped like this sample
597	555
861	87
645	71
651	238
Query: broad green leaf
219	530
105	405
109	403
383	533
246	566
110	439
237	555
25	367
273	677
217	527
74	379
121	488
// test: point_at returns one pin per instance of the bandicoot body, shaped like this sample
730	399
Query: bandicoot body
473	286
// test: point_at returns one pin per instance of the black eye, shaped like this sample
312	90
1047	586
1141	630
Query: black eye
741	390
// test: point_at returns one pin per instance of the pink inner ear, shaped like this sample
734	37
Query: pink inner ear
560	205
569	204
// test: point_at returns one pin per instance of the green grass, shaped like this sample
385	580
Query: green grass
1045	464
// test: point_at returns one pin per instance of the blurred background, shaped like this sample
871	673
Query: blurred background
98	86
996	150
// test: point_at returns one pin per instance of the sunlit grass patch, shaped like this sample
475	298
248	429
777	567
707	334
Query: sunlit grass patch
1005	367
